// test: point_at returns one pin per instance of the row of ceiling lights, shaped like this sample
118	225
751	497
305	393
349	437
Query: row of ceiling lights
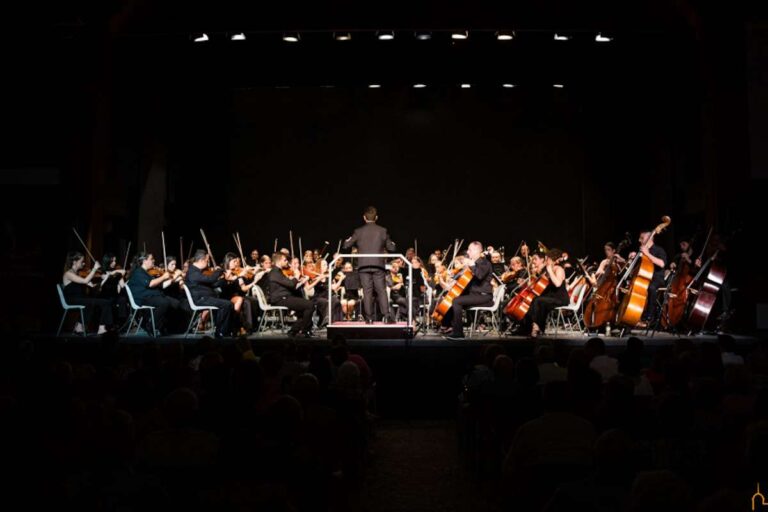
421	85
388	35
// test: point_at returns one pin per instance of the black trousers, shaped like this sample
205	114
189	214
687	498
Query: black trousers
303	309
162	305
454	316
104	306
321	303
373	281
223	314
402	306
651	303
542	306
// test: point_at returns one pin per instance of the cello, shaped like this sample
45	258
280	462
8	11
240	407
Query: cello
602	304
519	305
679	291
639	273
706	294
461	280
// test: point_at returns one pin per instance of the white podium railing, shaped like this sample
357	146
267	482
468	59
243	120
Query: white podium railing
332	265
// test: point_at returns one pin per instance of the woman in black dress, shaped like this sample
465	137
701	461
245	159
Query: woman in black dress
554	296
76	287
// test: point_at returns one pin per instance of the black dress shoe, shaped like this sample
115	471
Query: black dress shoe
310	334
388	320
368	321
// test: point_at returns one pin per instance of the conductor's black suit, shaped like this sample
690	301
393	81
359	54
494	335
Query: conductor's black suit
372	239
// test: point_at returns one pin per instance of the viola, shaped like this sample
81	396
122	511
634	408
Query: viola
640	274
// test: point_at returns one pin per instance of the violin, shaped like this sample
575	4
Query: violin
156	271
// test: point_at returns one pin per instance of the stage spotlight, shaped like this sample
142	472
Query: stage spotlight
460	35
558	37
292	37
600	38
508	86
374	86
200	38
423	36
505	36
466	86
237	37
558	86
342	36
419	86
386	35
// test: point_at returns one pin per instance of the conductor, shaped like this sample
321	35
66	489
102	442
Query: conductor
371	238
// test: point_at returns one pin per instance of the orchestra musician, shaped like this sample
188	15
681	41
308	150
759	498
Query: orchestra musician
147	291
75	288
202	286
555	294
286	291
349	280
610	256
237	289
398	293
372	239
320	298
658	256
477	293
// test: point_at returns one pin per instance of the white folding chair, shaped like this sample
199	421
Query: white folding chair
67	308
135	310
196	312
577	298
498	294
271	313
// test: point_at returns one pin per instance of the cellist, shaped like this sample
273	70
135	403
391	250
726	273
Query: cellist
478	293
555	294
611	257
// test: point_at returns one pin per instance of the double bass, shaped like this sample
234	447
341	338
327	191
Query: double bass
706	294
600	309
639	273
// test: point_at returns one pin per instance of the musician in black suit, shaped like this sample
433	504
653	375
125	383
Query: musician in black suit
371	238
286	291
479	291
202	287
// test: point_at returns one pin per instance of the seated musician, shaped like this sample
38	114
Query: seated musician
555	295
146	290
202	287
610	255
497	264
112	285
75	288
236	289
286	291
320	298
172	286
478	293
659	258
685	255
420	283
350	283
254	261
398	292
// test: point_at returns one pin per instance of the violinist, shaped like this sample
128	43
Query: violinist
397	291
261	279
236	287
350	288
285	291
112	277
433	261
320	298
254	262
172	286
202	286
75	288
516	275
478	293
555	295
146	290
658	256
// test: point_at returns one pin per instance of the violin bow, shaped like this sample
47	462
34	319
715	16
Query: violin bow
240	248
322	251
208	247
274	251
127	252
165	256
415	246
85	248
189	254
181	251
301	252
290	237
